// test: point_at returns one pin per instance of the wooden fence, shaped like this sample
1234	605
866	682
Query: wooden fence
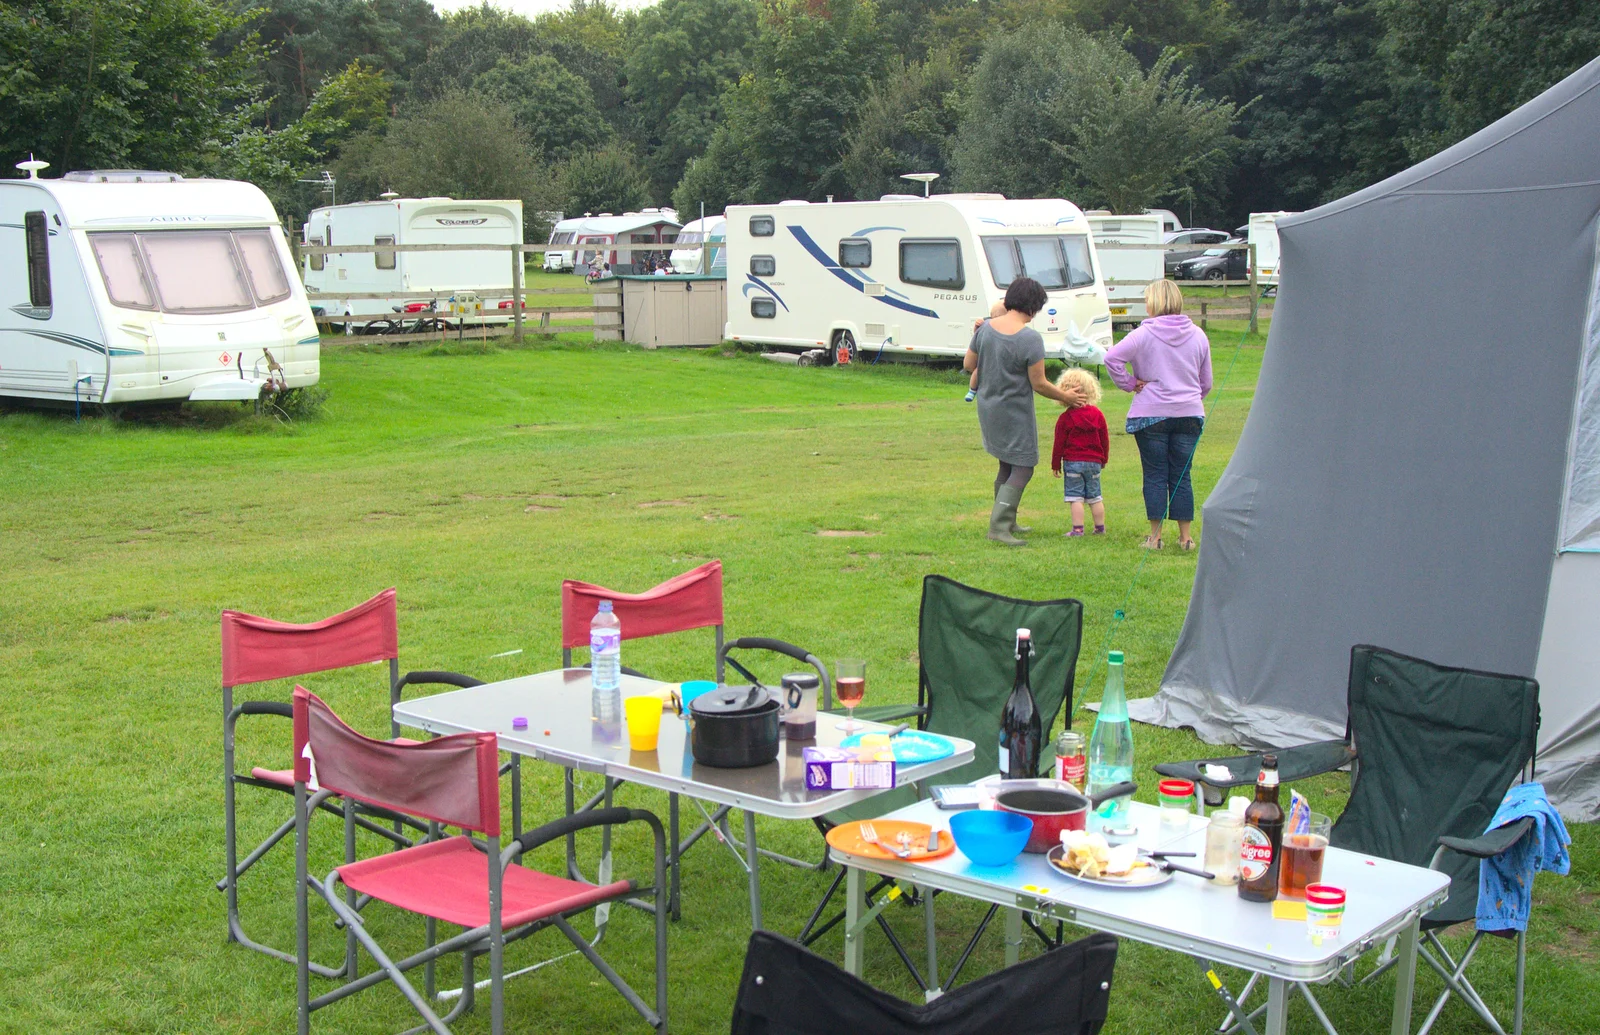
1249	303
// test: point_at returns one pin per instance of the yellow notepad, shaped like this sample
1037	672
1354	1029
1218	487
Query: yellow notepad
1288	909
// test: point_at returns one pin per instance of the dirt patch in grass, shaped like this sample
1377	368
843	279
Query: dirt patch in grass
538	508
380	515
138	614
844	533
663	503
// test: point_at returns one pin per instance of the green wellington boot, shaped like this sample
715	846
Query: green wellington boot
1017	529
1004	517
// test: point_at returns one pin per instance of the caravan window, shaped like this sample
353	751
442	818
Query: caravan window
318	260
855	254
763	308
383	260
1055	262
123	270
932	264
762	226
763	265
37	232
268	279
561	237
196	271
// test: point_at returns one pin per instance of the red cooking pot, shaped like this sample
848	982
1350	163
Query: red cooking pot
1054	806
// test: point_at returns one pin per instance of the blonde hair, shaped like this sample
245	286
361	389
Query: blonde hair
1162	298
1084	380
998	309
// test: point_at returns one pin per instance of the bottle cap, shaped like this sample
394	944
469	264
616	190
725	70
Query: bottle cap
1024	634
605	605
519	722
1115	657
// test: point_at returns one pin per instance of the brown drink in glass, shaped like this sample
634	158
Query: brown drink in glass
850	682
1302	858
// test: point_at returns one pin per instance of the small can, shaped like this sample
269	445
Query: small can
1072	763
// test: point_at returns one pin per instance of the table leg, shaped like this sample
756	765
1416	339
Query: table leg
855	903
753	854
934	991
1405	977
1013	935
1277	1006
677	856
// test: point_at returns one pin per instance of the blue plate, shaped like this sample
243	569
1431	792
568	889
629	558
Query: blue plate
913	747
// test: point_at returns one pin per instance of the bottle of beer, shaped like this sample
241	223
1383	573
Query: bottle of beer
1261	855
1020	735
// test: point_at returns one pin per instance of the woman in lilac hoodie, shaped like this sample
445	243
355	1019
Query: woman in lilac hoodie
1167	364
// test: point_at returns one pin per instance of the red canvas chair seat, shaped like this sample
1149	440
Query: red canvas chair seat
449	880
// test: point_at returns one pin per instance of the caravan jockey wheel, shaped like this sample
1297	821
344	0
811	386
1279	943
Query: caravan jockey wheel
844	348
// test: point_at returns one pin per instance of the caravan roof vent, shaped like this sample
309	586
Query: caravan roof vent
978	196
648	211
389	195
121	176
793	201
902	197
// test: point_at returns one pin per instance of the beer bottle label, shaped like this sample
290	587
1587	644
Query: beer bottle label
1255	856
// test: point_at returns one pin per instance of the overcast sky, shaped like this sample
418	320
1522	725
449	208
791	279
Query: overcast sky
528	7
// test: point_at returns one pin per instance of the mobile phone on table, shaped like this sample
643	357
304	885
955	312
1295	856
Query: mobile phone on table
956	796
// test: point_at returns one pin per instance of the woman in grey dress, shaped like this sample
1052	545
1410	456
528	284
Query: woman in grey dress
1009	358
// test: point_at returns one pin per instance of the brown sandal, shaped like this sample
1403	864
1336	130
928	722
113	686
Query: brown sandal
1187	544
1150	543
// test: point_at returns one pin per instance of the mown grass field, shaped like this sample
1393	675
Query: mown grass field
473	480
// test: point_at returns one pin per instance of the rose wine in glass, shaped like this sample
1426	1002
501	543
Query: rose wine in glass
850	680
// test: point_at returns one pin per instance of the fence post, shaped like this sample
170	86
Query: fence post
1202	314
1255	292
516	293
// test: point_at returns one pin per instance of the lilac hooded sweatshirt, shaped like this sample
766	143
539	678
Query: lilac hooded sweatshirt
1173	355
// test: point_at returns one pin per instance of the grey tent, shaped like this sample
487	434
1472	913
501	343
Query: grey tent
1421	466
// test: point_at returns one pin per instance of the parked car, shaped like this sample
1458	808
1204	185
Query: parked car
1216	264
1198	236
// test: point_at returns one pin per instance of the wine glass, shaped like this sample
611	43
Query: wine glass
850	681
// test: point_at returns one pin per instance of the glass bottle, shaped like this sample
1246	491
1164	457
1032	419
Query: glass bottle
1111	749
1020	734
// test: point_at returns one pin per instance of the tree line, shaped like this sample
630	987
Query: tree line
1211	107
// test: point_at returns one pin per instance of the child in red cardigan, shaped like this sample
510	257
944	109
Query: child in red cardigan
1082	449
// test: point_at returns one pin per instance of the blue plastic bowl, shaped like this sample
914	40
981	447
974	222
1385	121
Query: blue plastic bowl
990	838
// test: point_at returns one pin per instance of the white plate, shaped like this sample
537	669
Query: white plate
1136	881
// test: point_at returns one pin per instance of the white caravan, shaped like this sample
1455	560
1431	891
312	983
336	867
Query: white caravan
407	277
908	274
695	231
1170	222
1263	233
631	239
127	287
1131	268
556	258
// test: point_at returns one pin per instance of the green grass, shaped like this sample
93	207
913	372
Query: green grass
474	479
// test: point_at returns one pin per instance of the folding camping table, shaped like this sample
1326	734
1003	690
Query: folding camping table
1212	924
575	726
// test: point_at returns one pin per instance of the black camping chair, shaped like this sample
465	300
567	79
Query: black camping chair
966	645
1432	750
786	990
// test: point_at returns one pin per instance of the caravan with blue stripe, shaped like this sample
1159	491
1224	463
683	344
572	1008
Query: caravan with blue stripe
908	276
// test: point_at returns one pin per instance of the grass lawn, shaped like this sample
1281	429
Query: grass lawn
474	480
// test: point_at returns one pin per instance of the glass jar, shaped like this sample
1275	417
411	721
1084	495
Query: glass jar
1174	798
1224	840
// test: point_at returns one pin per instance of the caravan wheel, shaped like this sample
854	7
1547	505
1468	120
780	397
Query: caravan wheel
843	349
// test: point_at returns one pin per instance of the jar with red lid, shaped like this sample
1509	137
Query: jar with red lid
1175	797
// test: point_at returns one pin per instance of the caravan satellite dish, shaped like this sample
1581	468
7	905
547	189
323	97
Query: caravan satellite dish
389	195
32	166
926	179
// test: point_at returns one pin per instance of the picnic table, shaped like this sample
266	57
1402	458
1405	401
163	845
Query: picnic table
1189	915
571	724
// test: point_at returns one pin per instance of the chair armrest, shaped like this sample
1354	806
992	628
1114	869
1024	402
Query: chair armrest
279	708
1491	844
1294	763
455	679
559	828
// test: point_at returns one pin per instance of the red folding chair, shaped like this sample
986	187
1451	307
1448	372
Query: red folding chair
257	650
450	781
692	600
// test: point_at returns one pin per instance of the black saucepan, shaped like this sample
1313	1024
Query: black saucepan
734	727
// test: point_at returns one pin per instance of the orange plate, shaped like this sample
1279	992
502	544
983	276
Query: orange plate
847	838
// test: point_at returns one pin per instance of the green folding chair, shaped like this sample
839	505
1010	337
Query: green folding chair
1432	750
966	643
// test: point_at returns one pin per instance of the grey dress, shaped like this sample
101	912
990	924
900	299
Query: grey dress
1005	396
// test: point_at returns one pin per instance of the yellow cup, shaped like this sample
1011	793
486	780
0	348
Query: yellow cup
644	722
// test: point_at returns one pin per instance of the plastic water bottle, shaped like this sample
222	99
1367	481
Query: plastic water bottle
1111	749
605	648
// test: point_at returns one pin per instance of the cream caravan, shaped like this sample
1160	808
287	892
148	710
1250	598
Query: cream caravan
127	287
909	275
1263	233
1131	268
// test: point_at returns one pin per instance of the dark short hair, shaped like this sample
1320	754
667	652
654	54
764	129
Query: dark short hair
1026	295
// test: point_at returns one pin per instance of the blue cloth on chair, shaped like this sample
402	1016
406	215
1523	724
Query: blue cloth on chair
1505	882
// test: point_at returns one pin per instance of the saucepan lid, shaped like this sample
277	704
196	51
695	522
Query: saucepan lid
734	700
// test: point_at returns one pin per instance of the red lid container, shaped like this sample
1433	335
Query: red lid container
1176	788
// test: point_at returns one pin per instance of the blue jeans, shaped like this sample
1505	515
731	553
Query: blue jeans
1080	481
1166	450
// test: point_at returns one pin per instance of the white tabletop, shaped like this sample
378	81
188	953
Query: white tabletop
1187	913
572	724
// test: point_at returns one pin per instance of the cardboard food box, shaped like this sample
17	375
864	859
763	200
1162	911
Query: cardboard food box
836	769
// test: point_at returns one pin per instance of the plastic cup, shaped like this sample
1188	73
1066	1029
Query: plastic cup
1324	912
644	722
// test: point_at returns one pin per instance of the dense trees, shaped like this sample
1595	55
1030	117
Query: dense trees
1215	107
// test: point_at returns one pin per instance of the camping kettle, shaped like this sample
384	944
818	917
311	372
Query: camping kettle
800	705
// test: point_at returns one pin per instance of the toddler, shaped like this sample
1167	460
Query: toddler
998	309
1082	449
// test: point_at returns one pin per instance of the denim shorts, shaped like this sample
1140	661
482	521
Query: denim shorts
1080	481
